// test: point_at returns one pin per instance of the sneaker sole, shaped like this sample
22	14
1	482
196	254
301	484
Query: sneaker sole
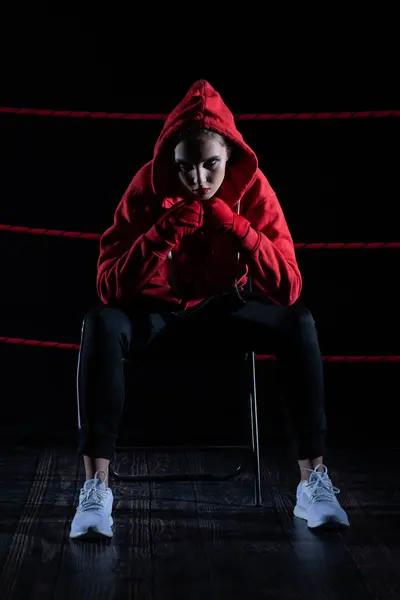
91	534
329	523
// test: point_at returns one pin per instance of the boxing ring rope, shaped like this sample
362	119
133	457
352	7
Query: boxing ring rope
311	116
301	245
96	236
376	114
328	359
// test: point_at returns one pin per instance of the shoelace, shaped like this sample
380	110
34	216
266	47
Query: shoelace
321	486
93	498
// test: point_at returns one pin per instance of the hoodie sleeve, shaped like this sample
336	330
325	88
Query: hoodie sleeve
131	250
269	246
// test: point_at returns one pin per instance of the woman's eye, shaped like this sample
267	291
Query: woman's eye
185	168
212	162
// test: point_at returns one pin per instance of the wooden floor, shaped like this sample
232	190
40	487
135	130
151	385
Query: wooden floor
198	540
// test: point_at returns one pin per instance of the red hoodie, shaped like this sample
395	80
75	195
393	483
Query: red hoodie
131	261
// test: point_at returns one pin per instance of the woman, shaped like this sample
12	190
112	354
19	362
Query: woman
194	224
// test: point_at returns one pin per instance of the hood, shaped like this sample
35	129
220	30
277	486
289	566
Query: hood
203	106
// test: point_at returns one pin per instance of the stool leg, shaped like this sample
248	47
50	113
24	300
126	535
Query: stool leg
254	432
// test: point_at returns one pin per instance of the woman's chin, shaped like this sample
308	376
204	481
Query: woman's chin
198	196
207	196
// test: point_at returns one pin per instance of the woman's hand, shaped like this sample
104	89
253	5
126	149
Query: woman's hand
218	216
180	222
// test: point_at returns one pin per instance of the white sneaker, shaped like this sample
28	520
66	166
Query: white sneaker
93	518
317	502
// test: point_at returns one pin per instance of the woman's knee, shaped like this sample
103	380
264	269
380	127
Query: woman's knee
108	321
302	316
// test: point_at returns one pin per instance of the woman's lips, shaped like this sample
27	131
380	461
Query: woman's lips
203	191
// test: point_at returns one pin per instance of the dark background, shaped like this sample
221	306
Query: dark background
337	181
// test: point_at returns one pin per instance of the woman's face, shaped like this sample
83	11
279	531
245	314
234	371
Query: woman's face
201	163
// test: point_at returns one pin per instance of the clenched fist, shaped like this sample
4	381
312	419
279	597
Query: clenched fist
182	221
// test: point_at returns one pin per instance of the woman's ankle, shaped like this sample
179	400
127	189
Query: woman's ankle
103	476
96	467
89	468
101	468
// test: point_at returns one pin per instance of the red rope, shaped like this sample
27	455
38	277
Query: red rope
96	236
42	344
42	112
50	232
335	359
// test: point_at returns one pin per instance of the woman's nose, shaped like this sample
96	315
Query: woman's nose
200	176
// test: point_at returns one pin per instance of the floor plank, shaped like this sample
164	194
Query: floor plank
370	486
180	566
198	539
323	561
122	567
247	552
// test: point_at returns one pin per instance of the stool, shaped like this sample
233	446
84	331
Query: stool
253	449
